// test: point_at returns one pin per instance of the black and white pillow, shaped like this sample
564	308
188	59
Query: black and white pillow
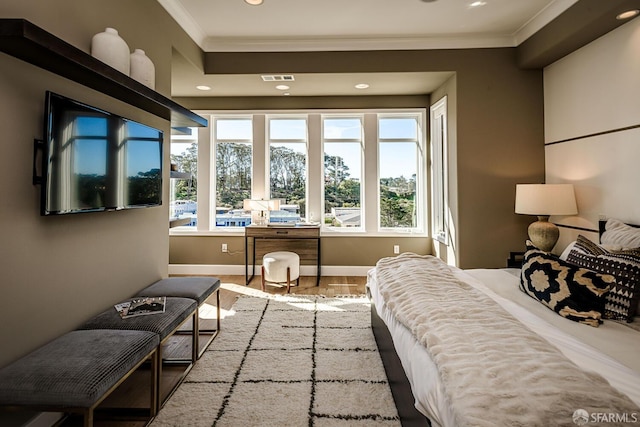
622	301
572	292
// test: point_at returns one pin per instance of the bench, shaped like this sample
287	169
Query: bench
195	288
78	370
164	325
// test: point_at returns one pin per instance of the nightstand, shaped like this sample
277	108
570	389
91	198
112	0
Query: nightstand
515	259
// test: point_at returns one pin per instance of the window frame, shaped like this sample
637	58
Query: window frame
314	170
439	171
360	141
421	175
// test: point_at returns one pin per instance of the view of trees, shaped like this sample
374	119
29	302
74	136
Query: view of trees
233	169
339	189
288	176
288	181
188	163
397	202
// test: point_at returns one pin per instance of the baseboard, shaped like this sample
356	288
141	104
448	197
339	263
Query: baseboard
305	270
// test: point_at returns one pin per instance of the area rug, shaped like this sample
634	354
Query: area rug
287	361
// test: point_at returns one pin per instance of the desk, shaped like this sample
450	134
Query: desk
305	241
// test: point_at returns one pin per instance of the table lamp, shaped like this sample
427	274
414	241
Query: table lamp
544	200
263	207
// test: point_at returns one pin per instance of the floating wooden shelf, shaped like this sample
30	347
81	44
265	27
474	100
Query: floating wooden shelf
28	42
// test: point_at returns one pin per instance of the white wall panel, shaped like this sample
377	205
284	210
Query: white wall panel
596	88
605	171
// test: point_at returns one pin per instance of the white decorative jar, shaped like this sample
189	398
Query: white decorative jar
142	69
111	49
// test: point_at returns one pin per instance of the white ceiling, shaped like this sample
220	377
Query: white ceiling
306	25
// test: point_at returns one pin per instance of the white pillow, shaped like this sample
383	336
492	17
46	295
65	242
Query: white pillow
619	236
565	254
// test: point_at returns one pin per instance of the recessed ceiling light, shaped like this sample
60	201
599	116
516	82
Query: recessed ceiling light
478	3
628	14
203	87
361	86
253	2
282	87
286	94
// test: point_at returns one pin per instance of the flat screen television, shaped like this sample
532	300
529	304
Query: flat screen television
93	160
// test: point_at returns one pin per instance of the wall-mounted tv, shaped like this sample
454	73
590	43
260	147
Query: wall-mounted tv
93	160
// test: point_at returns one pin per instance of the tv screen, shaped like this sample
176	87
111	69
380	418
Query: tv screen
94	160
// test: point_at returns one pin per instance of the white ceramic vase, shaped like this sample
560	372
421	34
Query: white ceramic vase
142	69
111	49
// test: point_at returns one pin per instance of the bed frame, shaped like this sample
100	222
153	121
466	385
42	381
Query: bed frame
400	387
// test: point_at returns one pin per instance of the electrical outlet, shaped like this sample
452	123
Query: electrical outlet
396	249
225	248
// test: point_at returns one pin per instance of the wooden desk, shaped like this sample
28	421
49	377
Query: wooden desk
305	241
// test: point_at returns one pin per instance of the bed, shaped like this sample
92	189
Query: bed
470	347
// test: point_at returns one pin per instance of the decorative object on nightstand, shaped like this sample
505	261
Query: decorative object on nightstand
261	208
544	200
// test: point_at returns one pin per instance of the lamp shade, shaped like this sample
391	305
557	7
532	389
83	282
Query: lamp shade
545	199
261	204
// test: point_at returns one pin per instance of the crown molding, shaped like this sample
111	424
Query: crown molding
229	44
184	20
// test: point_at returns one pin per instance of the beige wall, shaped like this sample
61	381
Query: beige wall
498	112
59	271
595	90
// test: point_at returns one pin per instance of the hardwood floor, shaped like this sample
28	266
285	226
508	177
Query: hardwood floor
233	286
135	390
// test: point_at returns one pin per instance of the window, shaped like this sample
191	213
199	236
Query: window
233	141
342	142
400	156
439	203
360	171
288	168
183	198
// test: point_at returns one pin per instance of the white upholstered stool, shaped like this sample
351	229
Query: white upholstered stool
280	267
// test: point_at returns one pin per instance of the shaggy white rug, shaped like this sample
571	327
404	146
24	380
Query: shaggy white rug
287	361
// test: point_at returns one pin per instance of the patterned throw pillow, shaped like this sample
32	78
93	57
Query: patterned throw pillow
572	292
622	301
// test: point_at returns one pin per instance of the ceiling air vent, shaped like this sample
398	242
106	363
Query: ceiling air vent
278	78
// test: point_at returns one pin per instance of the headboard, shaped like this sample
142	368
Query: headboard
603	222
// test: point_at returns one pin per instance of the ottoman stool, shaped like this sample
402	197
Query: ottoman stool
281	267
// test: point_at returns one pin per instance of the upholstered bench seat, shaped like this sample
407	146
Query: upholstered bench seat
196	288
77	370
177	311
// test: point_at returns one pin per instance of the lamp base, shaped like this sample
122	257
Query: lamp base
544	234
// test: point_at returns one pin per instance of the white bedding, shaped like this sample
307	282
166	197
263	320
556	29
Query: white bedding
611	350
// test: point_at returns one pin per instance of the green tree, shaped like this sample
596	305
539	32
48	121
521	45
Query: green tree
188	163
288	176
397	202
233	174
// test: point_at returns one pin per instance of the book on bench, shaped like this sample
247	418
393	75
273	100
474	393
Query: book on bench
141	306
